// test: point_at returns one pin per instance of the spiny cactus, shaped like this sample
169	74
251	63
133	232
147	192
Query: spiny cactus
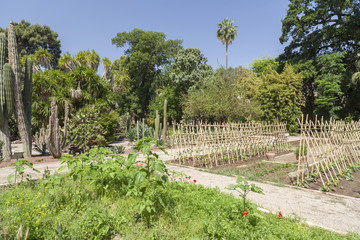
2	62
8	87
27	91
54	141
6	100
157	125
23	127
165	120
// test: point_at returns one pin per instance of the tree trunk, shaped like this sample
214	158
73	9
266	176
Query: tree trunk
227	55
5	138
18	103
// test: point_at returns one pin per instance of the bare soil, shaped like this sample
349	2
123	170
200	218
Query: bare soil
345	187
35	159
349	188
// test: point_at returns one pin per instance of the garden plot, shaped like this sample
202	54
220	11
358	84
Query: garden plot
211	145
329	152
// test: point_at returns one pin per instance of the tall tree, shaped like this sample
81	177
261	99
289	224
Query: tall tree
280	96
147	54
189	67
30	38
312	28
328	85
226	34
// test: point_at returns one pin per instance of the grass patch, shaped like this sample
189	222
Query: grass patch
111	198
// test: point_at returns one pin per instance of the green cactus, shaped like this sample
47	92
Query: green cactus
165	120
6	100
27	91
23	127
2	62
157	125
8	91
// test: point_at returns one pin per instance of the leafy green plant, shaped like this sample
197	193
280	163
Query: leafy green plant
118	149
243	188
20	170
147	184
303	150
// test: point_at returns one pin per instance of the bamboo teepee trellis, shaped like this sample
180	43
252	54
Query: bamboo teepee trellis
327	150
208	145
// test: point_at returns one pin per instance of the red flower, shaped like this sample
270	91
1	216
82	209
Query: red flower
194	181
141	164
280	215
245	213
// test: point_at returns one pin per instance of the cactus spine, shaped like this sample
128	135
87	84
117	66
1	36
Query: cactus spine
24	130
165	121
157	125
6	100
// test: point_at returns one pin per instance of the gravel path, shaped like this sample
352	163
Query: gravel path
338	213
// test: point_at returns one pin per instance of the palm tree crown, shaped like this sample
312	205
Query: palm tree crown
226	34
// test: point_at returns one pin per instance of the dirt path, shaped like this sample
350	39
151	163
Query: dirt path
339	213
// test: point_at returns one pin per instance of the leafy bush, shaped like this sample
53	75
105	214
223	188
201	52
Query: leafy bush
92	126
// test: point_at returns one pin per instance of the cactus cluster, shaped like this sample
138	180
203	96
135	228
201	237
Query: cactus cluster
6	100
11	96
161	129
6	94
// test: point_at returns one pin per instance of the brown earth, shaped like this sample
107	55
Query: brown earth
35	159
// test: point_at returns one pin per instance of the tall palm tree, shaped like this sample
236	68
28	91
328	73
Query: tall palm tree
226	34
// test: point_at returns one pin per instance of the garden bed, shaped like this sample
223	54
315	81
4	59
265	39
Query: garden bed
262	170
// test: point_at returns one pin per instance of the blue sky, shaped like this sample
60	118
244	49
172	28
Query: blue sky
87	25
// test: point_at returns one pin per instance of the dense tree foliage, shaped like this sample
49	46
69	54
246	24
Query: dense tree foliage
313	28
147	53
261	65
313	31
31	38
189	67
328	85
230	96
280	96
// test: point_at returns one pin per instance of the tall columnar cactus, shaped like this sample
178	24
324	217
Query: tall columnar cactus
165	120
25	133
6	100
27	91
157	125
54	141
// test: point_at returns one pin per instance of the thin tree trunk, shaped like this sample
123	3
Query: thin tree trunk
227	55
5	138
18	103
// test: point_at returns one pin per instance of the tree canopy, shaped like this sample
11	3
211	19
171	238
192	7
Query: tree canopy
312	28
31	38
147	53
